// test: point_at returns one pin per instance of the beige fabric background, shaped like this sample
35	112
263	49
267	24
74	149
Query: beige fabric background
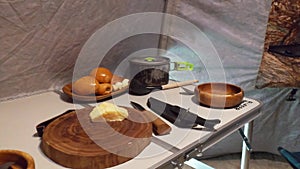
40	40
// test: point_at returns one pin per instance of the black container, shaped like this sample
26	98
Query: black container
150	71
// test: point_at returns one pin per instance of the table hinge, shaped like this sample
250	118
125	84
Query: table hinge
179	162
195	153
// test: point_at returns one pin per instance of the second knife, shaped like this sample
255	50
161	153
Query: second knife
179	116
159	126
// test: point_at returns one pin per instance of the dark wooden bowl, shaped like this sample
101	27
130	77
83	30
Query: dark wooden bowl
19	159
219	95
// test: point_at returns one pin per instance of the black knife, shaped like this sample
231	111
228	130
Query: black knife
179	116
292	50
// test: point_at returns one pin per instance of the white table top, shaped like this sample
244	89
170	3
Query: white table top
19	118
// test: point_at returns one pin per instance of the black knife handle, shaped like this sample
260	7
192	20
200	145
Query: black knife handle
41	126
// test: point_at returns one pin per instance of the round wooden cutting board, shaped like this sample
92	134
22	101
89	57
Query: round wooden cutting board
82	144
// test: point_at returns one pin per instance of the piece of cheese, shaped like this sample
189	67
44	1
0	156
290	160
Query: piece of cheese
109	112
125	82
120	85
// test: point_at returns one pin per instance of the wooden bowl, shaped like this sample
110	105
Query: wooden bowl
219	95
19	159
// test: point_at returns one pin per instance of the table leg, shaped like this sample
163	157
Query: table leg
248	129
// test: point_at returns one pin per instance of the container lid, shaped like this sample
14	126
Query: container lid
157	60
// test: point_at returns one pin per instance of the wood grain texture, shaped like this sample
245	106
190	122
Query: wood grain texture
79	143
178	84
283	29
159	126
67	89
219	95
20	159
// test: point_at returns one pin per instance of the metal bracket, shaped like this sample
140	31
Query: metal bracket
178	164
249	147
196	152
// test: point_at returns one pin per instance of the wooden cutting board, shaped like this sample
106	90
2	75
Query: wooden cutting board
79	143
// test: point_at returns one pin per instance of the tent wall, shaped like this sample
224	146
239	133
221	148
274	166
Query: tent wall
237	30
40	40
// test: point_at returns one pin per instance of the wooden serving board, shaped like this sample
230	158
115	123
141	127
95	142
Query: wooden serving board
67	89
79	143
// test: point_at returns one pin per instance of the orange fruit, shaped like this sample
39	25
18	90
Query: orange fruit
104	88
102	74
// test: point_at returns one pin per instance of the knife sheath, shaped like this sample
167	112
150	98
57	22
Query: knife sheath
179	116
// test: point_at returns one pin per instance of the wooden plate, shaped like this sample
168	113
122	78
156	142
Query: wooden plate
65	140
67	89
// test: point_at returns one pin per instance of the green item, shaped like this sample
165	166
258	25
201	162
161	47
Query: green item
149	59
183	66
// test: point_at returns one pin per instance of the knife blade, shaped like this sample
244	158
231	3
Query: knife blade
292	50
179	116
159	126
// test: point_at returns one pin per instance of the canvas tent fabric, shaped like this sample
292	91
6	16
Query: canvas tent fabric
41	40
237	31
